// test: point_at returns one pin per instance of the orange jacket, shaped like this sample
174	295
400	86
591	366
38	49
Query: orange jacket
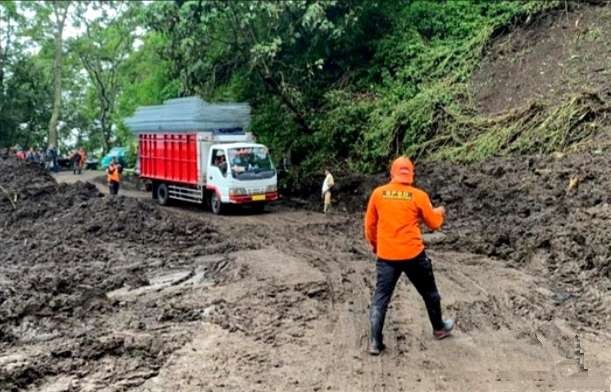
112	173
392	221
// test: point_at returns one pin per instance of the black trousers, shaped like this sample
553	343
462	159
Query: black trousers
420	272
113	187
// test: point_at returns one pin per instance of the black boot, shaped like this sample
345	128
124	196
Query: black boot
376	344
375	347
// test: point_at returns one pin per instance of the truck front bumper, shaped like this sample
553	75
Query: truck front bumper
263	197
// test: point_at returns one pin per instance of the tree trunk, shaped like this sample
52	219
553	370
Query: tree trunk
106	134
57	74
1	69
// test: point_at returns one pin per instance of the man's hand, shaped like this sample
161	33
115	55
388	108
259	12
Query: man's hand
373	248
441	210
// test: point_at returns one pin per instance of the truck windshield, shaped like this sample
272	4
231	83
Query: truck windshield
250	163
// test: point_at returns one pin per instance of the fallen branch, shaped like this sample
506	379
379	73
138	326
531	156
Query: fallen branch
8	197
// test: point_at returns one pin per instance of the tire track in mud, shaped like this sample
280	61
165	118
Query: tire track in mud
495	347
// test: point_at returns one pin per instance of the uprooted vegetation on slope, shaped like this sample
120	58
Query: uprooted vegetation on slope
541	87
537	82
536	128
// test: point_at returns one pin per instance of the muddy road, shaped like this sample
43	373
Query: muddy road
117	294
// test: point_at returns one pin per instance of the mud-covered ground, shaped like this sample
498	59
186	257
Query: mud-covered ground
118	294
546	214
64	248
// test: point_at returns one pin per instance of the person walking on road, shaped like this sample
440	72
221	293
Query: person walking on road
394	213
83	155
327	184
113	175
76	163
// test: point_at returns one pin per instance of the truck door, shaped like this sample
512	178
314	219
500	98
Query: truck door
217	172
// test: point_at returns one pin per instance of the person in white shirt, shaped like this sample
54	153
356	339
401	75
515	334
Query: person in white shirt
327	184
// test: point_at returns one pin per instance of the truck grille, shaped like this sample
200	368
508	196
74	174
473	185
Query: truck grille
255	191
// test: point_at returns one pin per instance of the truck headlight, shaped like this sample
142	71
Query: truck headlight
237	191
271	188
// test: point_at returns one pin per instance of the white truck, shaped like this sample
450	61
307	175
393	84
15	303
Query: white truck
194	151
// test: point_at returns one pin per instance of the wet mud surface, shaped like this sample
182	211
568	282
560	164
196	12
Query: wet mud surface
64	248
549	215
117	294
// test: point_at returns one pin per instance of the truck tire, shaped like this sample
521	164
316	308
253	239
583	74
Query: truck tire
154	190
163	194
215	203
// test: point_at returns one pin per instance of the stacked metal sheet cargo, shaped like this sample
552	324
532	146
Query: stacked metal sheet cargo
189	114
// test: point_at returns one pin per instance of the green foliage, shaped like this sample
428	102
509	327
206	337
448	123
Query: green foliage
341	130
23	98
144	80
347	84
25	105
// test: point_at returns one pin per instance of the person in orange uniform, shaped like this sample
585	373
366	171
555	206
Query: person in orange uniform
83	155
392	221
113	175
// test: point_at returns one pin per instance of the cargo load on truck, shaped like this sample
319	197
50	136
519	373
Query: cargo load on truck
197	151
190	114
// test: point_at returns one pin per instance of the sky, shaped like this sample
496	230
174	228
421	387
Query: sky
73	31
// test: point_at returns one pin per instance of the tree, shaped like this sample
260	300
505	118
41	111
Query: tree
145	80
103	50
21	103
28	105
284	45
60	13
283	55
8	22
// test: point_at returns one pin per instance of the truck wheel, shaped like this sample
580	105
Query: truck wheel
215	204
154	190
163	195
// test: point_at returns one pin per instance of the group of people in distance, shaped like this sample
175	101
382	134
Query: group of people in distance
49	158
31	154
78	159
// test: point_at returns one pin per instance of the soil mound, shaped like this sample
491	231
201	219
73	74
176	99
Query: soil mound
551	215
29	192
64	247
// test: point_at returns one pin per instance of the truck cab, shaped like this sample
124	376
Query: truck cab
240	173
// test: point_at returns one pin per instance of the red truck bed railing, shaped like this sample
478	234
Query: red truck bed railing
169	157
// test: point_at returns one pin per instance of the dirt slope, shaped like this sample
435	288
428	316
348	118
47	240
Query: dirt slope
554	55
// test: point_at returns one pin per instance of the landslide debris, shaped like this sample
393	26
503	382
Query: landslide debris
550	215
64	247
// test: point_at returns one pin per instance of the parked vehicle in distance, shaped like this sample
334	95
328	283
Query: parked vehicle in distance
120	153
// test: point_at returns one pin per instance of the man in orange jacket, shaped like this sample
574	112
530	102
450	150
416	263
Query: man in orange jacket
392	221
113	175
